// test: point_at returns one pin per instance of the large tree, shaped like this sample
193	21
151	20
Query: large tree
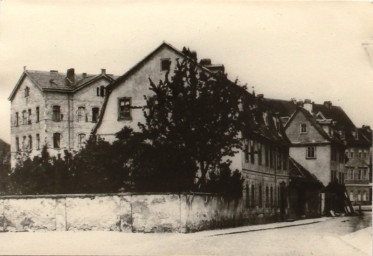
197	113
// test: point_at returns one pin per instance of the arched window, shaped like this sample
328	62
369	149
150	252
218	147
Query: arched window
358	196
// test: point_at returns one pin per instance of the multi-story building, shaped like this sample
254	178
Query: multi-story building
54	109
359	166
265	161
317	133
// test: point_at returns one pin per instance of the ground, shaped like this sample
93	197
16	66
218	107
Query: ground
322	236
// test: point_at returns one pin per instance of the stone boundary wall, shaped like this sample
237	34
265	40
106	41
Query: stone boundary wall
125	212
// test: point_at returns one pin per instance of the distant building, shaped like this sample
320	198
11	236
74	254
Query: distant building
54	109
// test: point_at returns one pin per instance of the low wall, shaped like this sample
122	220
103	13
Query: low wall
121	212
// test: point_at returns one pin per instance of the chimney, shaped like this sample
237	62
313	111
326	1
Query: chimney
193	55
328	104
260	96
70	77
293	100
308	105
205	62
84	75
300	103
103	71
24	68
53	71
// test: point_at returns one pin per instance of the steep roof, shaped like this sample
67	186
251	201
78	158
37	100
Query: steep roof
287	108
133	70
56	81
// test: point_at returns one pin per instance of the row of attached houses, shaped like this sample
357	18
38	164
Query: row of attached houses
291	151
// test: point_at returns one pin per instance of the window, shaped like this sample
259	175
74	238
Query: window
56	140
24	117
271	198
266	149
360	154
124	109
311	152
37	141
17	144
17	119
24	143
102	91
260	203
252	196
29	116
165	64
358	196
81	139
279	159
303	128
98	91
95	112
37	114
364	196
251	152
364	175
247	202
351	195
267	197
56	114
351	154
246	151
259	153
30	142
27	92
81	116
365	154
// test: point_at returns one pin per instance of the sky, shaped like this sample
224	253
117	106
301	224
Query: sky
303	50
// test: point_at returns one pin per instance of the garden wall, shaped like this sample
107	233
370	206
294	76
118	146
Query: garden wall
124	212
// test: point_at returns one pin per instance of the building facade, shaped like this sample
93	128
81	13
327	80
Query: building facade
54	109
359	166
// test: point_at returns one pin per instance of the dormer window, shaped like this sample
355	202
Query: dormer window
303	128
27	92
165	64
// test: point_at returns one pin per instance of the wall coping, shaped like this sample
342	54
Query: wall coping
103	195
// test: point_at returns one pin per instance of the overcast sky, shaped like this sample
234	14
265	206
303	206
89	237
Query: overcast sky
303	50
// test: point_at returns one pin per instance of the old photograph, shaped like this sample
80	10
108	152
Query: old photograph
186	128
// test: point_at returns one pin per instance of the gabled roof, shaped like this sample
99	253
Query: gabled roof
287	108
133	70
311	119
56	81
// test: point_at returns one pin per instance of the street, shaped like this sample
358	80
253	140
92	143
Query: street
323	236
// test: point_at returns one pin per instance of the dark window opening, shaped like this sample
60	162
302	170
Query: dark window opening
95	113
252	196
17	144
311	152
24	117
56	140
29	116
260	203
125	109
30	142
37	141
37	114
56	117
98	91
102	91
27	92
165	64
303	128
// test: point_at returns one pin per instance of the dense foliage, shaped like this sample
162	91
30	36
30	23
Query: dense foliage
192	125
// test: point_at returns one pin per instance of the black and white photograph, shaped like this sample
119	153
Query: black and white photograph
186	127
